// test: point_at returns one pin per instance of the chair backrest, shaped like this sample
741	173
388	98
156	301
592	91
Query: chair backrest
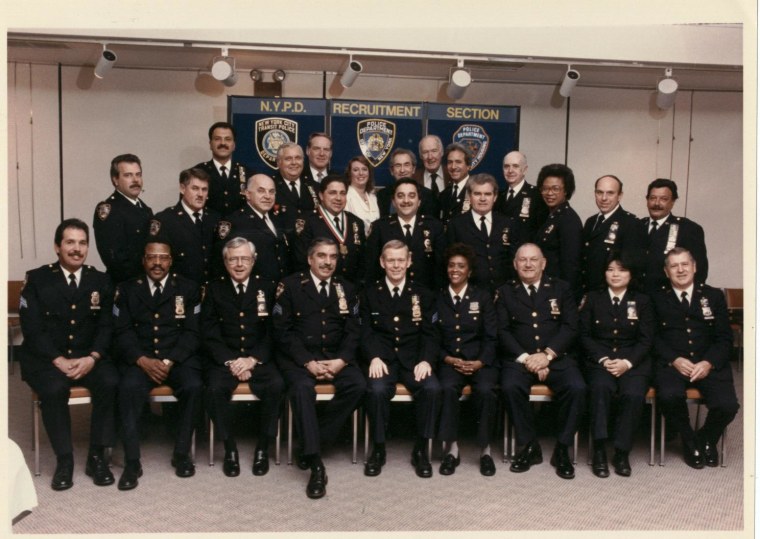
734	298
14	295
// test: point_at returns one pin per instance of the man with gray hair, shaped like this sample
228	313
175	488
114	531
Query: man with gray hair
520	200
296	193
402	163
431	174
237	333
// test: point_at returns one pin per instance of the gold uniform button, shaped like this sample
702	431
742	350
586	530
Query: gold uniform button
535	325
537	337
241	315
155	315
395	348
71	337
155	328
242	337
73	322
242	326
155	341
395	318
614	332
459	339
70	352
73	306
323	310
614	349
324	336
456	327
534	314
456	315
156	352
688	330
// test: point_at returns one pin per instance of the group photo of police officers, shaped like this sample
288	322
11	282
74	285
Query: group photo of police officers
438	282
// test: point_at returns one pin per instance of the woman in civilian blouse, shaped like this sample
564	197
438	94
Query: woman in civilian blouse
616	327
467	329
360	198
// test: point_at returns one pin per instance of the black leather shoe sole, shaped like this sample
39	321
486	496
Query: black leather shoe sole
231	467
374	465
422	466
128	479
101	477
183	467
260	463
565	470
317	486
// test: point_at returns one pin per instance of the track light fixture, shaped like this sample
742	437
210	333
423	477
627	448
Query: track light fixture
255	75
105	62
278	76
351	73
459	80
569	82
223	68
666	90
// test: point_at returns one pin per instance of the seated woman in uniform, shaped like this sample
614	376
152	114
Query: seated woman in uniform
616	328
467	330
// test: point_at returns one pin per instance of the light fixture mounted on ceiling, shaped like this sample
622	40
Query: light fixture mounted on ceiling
255	75
666	90
105	62
569	81
459	80
223	68
278	76
351	73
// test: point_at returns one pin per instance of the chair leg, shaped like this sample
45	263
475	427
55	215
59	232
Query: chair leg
662	440
36	436
723	448
277	442
652	427
290	434
192	447
575	448
590	447
210	442
355	421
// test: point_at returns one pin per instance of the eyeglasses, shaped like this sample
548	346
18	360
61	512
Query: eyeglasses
162	258
240	260
552	189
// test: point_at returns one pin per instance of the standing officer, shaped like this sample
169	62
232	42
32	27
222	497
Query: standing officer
666	231
331	221
612	229
226	178
316	324
455	199
421	233
296	193
538	325
692	348
156	325
431	174
520	200
402	163
258	223
494	237
189	226
399	342
66	320
237	333
319	152
121	222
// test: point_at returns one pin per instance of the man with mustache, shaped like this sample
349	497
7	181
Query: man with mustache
316	327
67	324
666	231
121	222
226	177
454	199
156	341
189	225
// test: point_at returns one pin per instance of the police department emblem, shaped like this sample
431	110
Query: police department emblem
475	139
103	210
271	133
376	138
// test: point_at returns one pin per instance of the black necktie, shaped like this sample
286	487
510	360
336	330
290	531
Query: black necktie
457	299
241	289
323	289
408	233
599	221
395	293
510	195
224	172
72	281
616	305
434	183
338	224
483	227
157	290
454	192
294	189
532	294
685	300
653	229
198	220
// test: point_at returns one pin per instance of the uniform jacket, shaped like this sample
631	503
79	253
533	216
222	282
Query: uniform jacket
427	246
451	208
620	231
625	334
702	332
120	231
526	206
399	329
468	331
559	237
57	321
525	328
495	256
192	247
225	196
307	327
687	233
234	326
291	208
166	329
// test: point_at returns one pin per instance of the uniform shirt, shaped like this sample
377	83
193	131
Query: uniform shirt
469	330
121	228
225	196
58	321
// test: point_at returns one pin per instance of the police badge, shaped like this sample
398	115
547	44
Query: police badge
466	203
631	311
706	310
104	209
426	242
505	236
525	208
342	302
300	223
376	137
261	304
357	239
612	233
672	237
475	139
554	306
155	227
179	307
270	134
95	300
416	309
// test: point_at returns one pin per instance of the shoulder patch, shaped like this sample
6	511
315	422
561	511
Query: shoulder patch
223	229
280	289
103	211
155	227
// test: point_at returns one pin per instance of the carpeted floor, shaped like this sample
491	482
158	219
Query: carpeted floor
669	498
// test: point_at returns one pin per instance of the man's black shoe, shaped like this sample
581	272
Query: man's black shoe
132	471
421	463
231	466
693	456
448	464
260	461
487	467
98	469
711	457
302	462
63	478
527	457
620	463
561	461
375	463
599	463
317	482
183	466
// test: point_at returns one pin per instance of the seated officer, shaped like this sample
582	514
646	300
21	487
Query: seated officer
237	333
400	344
65	313
692	347
316	324
538	324
156	326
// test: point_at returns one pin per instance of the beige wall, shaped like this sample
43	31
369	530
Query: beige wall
162	116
